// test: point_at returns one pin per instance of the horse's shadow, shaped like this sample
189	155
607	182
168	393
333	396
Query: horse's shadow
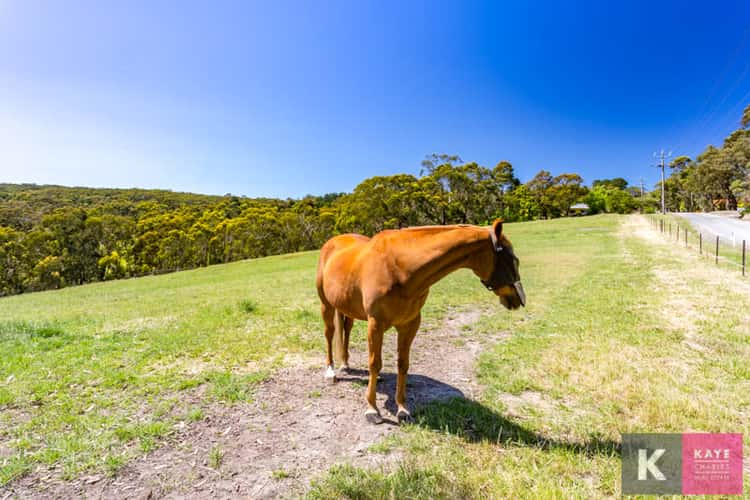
444	408
420	391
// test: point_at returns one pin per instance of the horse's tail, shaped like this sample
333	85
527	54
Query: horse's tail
338	337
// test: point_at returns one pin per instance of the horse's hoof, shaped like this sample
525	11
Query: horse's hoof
404	417
373	417
330	376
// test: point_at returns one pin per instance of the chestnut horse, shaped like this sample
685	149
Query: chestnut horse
384	280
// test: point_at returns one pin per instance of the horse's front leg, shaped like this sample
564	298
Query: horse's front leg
406	334
375	332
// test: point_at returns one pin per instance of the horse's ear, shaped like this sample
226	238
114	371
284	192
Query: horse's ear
497	228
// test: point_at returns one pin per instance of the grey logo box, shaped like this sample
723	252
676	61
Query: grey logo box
651	464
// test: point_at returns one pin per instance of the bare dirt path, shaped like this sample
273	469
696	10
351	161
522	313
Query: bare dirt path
296	428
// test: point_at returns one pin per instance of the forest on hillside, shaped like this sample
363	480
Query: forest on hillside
53	236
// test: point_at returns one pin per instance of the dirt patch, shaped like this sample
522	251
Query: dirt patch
139	325
296	428
5	452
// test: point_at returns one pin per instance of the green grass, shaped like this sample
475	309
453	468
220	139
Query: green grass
194	415
280	474
97	371
93	376
215	457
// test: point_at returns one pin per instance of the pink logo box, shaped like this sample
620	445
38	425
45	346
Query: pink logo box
712	464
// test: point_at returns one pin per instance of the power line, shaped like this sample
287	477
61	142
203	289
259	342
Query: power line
710	105
734	112
706	109
662	156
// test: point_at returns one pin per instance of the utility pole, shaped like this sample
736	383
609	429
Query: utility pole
661	156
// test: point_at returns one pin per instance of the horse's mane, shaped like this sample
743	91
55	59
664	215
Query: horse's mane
435	228
441	229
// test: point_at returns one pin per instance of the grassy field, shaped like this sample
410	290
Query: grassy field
615	339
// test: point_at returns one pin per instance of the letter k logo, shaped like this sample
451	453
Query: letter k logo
647	464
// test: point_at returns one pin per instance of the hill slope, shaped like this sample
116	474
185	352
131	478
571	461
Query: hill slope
94	379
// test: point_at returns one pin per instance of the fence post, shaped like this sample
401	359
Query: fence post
670	229
685	238
717	250
743	257
700	243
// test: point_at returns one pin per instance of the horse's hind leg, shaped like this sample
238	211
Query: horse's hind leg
327	312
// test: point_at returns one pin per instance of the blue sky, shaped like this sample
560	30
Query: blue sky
288	98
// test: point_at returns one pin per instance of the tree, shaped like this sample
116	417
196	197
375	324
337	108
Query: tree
610	199
13	264
681	163
617	182
522	204
715	174
506	181
566	189
113	267
379	203
539	187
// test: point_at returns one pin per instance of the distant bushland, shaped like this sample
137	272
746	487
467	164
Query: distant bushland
54	236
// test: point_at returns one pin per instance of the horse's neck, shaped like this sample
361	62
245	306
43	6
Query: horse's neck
445	252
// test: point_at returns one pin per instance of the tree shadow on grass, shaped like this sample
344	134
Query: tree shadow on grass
474	422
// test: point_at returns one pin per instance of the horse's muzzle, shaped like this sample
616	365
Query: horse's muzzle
512	296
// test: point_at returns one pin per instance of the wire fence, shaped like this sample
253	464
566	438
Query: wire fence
730	252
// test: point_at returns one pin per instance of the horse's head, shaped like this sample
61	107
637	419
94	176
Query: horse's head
505	280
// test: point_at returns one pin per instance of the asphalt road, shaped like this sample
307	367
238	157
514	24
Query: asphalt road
730	230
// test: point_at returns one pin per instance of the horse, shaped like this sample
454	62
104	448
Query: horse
385	280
